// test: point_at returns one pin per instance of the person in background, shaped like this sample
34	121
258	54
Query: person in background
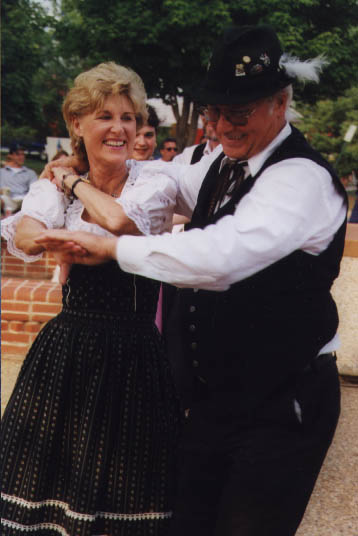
146	138
90	431
258	323
60	154
15	179
168	149
194	153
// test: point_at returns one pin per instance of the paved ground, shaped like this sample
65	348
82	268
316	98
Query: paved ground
333	509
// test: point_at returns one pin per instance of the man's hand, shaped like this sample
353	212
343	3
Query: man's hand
66	162
78	247
59	173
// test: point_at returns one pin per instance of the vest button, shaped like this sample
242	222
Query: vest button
192	327
192	308
194	345
195	363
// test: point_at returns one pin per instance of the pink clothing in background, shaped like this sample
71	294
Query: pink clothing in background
158	316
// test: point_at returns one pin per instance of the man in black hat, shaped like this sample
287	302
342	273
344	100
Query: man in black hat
258	323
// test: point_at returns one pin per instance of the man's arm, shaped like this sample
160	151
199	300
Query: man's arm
78	246
293	206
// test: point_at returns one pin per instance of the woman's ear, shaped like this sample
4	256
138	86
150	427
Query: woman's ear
77	126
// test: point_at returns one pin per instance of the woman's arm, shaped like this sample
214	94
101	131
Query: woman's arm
101	207
26	231
42	208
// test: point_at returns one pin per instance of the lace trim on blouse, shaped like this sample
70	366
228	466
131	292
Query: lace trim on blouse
49	206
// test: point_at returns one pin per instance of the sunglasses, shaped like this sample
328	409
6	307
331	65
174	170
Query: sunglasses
235	116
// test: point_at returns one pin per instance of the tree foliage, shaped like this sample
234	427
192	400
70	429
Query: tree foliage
325	125
168	42
23	44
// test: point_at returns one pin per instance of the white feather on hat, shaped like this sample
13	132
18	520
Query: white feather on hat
304	71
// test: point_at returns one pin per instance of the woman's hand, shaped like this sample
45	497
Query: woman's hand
78	247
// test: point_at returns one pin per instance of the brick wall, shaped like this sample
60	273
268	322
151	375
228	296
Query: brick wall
13	267
26	306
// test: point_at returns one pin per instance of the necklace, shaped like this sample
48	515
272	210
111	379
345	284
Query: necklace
86	176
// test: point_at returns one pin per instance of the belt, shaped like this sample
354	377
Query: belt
320	361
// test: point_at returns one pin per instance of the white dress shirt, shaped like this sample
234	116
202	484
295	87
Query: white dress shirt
293	205
186	156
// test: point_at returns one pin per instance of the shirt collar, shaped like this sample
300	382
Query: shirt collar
207	149
256	162
15	169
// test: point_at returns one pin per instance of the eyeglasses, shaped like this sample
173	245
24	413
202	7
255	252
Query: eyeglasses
235	116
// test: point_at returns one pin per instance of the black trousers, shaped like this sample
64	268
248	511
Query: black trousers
253	475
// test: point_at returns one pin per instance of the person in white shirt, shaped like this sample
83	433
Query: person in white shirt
168	149
15	179
258	323
192	154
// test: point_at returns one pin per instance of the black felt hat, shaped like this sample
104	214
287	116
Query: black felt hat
244	67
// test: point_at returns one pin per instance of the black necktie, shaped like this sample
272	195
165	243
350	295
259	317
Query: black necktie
229	181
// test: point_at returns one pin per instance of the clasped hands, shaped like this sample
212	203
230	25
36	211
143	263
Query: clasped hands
72	247
76	247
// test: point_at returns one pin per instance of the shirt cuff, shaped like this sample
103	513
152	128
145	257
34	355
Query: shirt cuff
131	253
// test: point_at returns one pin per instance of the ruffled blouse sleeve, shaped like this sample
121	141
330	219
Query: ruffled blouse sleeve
43	203
149	197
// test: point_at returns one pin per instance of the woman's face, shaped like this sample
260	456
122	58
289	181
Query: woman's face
145	143
108	133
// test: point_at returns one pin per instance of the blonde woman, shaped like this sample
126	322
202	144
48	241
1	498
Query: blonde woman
89	433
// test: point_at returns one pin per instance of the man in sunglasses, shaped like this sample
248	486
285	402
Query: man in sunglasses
168	149
257	323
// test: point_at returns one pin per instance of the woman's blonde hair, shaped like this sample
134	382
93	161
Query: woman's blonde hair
90	90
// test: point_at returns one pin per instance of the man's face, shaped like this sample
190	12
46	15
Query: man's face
245	131
169	151
17	158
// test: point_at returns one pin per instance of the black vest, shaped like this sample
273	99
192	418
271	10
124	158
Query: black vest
198	153
250	339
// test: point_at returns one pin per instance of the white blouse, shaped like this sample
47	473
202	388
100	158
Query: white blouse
51	207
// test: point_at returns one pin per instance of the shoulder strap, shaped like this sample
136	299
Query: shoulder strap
197	153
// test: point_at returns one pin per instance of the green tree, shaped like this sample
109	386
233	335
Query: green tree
169	41
308	28
325	125
24	39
